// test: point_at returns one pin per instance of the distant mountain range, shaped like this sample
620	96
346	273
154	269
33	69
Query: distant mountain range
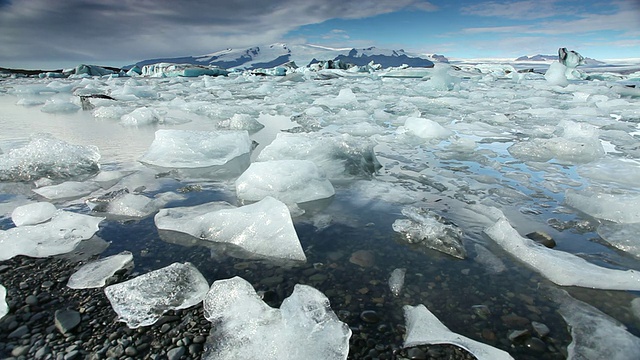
539	57
278	54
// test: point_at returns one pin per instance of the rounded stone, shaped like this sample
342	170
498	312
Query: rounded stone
20	351
66	320
31	300
535	344
176	353
369	316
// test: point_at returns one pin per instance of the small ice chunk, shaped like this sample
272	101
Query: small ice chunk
424	128
264	229
345	98
141	301
621	208
67	190
96	273
290	181
241	122
34	213
622	236
196	149
556	74
140	116
122	203
58	236
396	281
4	307
244	327
430	230
59	105
562	268
491	262
423	328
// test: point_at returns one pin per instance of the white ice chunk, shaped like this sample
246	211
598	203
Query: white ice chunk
555	75
110	112
140	116
623	172
34	213
96	273
244	327
58	236
4	307
241	122
67	190
622	236
560	267
345	97
290	181
141	301
107	179
59	105
264	229
424	128
424	328
396	281
132	205
620	208
196	149
45	156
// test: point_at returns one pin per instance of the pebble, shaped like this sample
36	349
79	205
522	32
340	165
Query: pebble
515	335
130	351
176	353
20	350
44	350
66	320
416	354
542	238
541	329
31	300
272	280
535	344
72	355
369	316
19	332
482	311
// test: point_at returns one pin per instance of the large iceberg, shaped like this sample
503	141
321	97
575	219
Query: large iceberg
58	236
184	70
46	156
96	273
290	181
141	301
424	328
244	327
263	229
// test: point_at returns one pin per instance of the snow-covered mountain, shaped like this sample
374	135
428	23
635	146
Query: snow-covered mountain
538	57
278	54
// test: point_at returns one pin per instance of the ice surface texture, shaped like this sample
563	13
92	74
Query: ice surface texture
67	190
263	229
96	273
290	181
424	328
33	213
622	236
621	208
141	301
46	156
196	149
4	307
244	327
58	236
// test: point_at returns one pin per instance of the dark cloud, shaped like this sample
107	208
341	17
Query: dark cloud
93	30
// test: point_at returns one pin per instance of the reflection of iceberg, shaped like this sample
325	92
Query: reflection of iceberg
424	328
244	327
96	273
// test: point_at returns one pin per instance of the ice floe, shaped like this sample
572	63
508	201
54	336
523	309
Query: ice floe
619	207
244	326
141	301
34	213
96	273
423	327
67	190
622	236
121	203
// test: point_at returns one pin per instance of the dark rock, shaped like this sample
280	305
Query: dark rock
130	351
514	321
535	344
66	320
20	350
19	332
72	355
540	329
176	353
369	316
31	300
42	352
542	238
516	335
416	354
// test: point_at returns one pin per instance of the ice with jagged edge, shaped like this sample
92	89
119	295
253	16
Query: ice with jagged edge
622	236
124	204
560	267
396	281
46	156
290	181
141	301
595	335
95	274
620	207
60	235
196	148
32	214
4	307
244	327
264	229
67	190
424	328
241	122
428	229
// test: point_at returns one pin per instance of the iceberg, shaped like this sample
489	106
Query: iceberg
32	214
182	70
58	236
96	273
67	190
141	301
196	149
290	181
396	281
244	327
430	230
46	156
424	328
4	307
263	229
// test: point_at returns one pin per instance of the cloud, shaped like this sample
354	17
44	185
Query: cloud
138	29
519	10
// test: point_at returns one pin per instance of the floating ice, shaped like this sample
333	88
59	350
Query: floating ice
196	149
184	70
244	327
560	267
107	179
424	328
67	190
241	122
45	156
96	273
290	181
141	301
396	281
58	236
622	236
346	97
430	230
59	105
621	208
424	128
556	74
122	203
140	116
439	79
264	229
4	307
33	213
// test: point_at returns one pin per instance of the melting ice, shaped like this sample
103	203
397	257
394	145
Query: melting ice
97	273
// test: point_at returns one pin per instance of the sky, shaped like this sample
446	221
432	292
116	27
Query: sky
47	34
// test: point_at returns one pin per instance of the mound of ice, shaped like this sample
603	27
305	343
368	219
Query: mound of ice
424	328
34	213
59	105
428	229
67	190
46	156
424	128
244	327
140	116
556	74
241	122
4	307
110	112
58	236
396	281
621	208
196	149
96	273
560	267
290	181
439	79
345	98
622	236
264	229
141	301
